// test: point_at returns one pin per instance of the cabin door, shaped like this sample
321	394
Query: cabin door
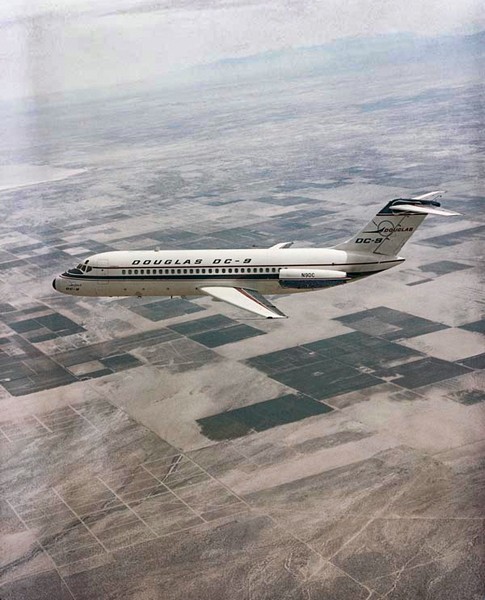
103	265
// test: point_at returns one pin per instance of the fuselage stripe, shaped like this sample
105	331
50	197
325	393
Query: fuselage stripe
203	277
251	266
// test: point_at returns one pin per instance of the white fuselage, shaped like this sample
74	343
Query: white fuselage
184	272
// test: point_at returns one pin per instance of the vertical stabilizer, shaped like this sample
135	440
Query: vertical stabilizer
392	226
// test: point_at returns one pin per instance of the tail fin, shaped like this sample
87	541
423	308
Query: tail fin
391	228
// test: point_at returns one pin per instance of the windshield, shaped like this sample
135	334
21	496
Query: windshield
82	268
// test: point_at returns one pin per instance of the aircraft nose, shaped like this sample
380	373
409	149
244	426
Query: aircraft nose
54	284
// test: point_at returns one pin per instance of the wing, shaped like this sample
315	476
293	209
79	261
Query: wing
246	299
281	245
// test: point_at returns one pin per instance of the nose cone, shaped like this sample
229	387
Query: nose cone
54	284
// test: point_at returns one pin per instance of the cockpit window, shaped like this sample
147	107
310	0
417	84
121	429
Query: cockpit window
83	268
76	270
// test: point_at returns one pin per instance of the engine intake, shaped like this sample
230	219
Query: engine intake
311	278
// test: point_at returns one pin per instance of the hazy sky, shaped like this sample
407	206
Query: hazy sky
48	45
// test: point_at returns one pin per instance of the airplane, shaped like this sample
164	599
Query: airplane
241	277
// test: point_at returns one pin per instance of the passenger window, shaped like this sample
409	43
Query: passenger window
173	271
129	271
223	270
203	270
142	271
191	270
123	272
197	271
136	271
216	270
229	270
235	270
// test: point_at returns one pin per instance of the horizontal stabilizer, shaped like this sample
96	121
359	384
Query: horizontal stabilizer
249	300
430	195
423	210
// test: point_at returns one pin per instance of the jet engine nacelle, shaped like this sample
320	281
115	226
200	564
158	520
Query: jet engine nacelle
307	277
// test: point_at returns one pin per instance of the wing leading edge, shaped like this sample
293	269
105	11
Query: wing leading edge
249	300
